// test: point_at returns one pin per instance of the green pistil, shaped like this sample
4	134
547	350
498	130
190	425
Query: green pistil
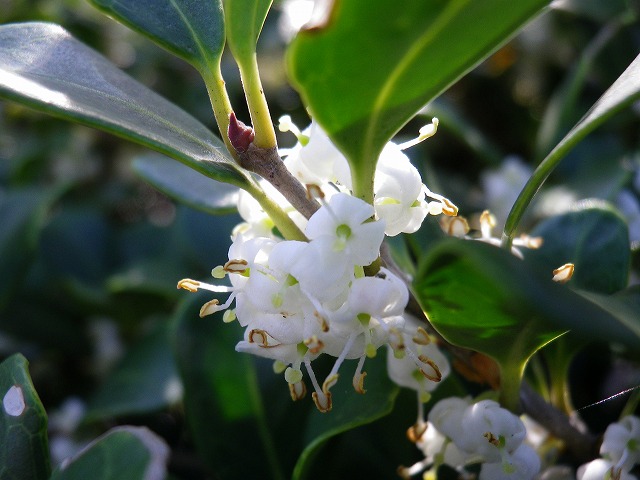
343	231
364	318
302	349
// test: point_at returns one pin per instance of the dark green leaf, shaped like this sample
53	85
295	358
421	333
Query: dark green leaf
222	400
483	298
623	306
55	73
244	20
363	84
191	29
624	91
134	453
24	450
145	380
350	411
22	215
185	185
594	238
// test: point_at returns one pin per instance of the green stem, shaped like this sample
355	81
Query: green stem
220	102
282	221
362	182
510	380
265	135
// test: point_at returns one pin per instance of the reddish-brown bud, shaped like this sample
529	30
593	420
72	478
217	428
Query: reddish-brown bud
240	135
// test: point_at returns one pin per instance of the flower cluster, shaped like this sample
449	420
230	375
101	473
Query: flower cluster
620	451
329	295
460	433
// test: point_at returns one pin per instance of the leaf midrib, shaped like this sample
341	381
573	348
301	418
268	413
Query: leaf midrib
403	64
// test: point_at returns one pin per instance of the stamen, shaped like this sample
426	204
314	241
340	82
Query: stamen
358	377
564	273
437	376
314	344
209	308
454	226
416	431
491	438
487	222
426	131
236	266
188	284
263	339
194	285
324	325
297	390
421	337
285	124
314	191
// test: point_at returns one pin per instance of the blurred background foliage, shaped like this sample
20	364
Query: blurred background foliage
90	255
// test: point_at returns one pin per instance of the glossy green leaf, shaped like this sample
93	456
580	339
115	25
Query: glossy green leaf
22	215
623	306
191	29
185	185
350	411
481	297
244	20
363	84
24	450
624	91
594	238
57	74
222	397
134	453
145	380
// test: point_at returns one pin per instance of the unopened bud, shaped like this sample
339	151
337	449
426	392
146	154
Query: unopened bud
240	135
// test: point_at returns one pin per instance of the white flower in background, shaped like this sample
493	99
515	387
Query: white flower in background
601	469
621	443
460	433
502	185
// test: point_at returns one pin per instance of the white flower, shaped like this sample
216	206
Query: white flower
489	429
601	469
621	443
522	464
399	194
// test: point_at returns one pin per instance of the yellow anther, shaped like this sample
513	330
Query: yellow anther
416	431
324	325
236	266
188	284
437	376
449	208
314	191
263	338
564	273
329	382
421	337
314	344
454	226
531	242
358	383
491	438
209	308
323	404
297	390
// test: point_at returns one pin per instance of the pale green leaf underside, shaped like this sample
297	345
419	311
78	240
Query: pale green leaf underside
43	67
191	29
